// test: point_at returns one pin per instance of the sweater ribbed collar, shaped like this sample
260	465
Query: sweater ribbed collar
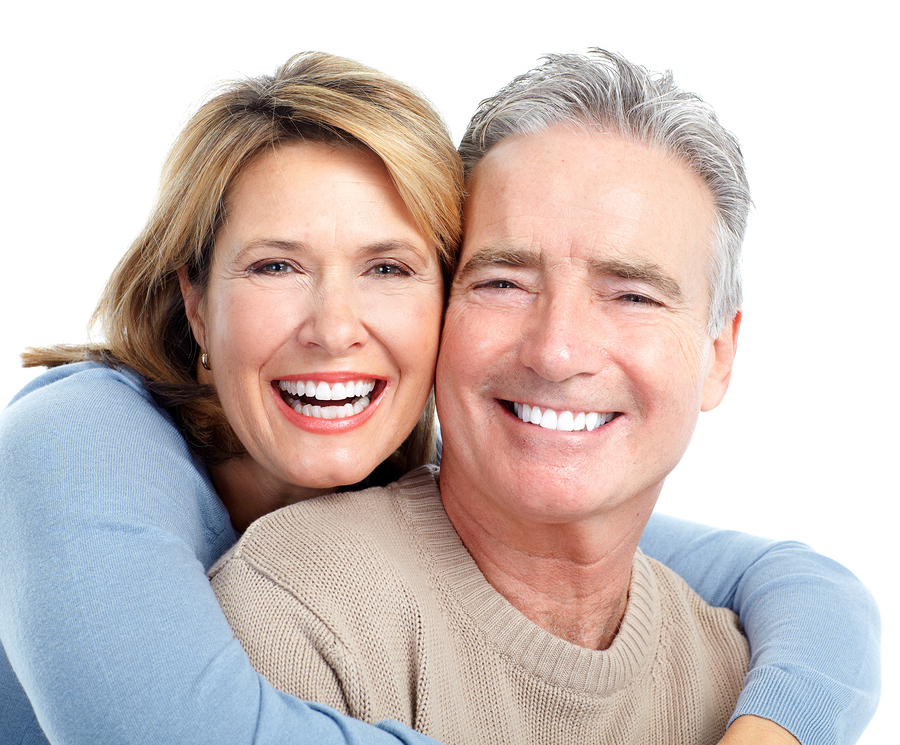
522	642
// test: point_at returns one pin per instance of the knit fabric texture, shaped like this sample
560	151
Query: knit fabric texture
374	606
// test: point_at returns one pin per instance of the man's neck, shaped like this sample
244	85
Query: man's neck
571	580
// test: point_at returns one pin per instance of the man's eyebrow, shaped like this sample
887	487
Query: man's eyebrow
642	271
648	272
499	256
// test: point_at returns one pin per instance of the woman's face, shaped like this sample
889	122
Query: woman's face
321	319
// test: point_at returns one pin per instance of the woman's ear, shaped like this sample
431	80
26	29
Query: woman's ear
721	362
192	307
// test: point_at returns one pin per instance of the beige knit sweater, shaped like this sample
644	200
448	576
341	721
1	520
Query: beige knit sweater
370	603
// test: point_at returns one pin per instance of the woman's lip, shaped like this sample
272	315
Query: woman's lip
327	426
330	377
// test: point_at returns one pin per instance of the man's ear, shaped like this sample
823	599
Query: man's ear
192	307
721	361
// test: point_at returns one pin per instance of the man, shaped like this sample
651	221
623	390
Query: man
594	314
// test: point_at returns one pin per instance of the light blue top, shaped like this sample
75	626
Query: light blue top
108	525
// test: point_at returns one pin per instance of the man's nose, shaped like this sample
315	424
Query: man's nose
563	338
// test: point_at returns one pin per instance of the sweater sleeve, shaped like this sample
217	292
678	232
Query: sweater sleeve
106	615
814	629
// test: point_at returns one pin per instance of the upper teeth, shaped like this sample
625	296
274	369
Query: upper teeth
320	390
564	421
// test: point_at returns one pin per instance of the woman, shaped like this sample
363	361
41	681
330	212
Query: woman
297	257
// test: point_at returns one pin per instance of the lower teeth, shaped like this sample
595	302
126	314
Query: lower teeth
331	412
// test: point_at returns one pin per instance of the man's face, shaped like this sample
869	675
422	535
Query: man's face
582	292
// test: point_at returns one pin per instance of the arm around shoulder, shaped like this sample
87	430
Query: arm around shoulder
814	629
106	614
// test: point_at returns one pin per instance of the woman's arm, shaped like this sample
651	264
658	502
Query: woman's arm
106	614
814	629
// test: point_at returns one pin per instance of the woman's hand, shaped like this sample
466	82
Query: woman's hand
750	730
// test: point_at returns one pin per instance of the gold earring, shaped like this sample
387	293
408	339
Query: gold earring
204	360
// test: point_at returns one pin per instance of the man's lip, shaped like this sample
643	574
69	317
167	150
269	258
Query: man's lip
559	419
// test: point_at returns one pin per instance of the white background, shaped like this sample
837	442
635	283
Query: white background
805	445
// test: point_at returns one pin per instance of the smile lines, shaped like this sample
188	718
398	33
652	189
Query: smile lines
303	397
562	421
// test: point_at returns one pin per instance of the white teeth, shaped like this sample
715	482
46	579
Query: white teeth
331	412
321	391
562	421
548	419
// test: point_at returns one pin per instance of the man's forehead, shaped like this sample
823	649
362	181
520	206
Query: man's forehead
622	208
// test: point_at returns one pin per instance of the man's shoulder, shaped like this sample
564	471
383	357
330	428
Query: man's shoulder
340	543
674	592
690	628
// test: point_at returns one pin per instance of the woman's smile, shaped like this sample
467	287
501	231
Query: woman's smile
318	399
315	405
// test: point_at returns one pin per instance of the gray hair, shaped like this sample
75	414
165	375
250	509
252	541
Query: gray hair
604	90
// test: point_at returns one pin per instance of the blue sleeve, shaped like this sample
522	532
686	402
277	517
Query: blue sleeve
814	629
106	615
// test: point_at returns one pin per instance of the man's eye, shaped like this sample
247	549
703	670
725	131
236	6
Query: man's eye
633	297
497	284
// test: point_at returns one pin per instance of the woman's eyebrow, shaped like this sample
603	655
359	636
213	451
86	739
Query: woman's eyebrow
283	245
277	244
396	244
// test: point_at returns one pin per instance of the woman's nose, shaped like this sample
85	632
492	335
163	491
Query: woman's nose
334	322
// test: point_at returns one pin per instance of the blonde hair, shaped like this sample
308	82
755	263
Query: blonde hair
314	97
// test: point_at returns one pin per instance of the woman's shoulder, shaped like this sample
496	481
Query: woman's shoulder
83	399
86	425
85	441
80	379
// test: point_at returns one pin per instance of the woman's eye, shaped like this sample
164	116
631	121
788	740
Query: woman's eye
390	270
272	267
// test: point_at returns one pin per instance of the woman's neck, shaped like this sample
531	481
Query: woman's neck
249	492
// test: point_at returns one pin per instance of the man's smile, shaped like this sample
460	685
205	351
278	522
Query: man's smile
563	421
